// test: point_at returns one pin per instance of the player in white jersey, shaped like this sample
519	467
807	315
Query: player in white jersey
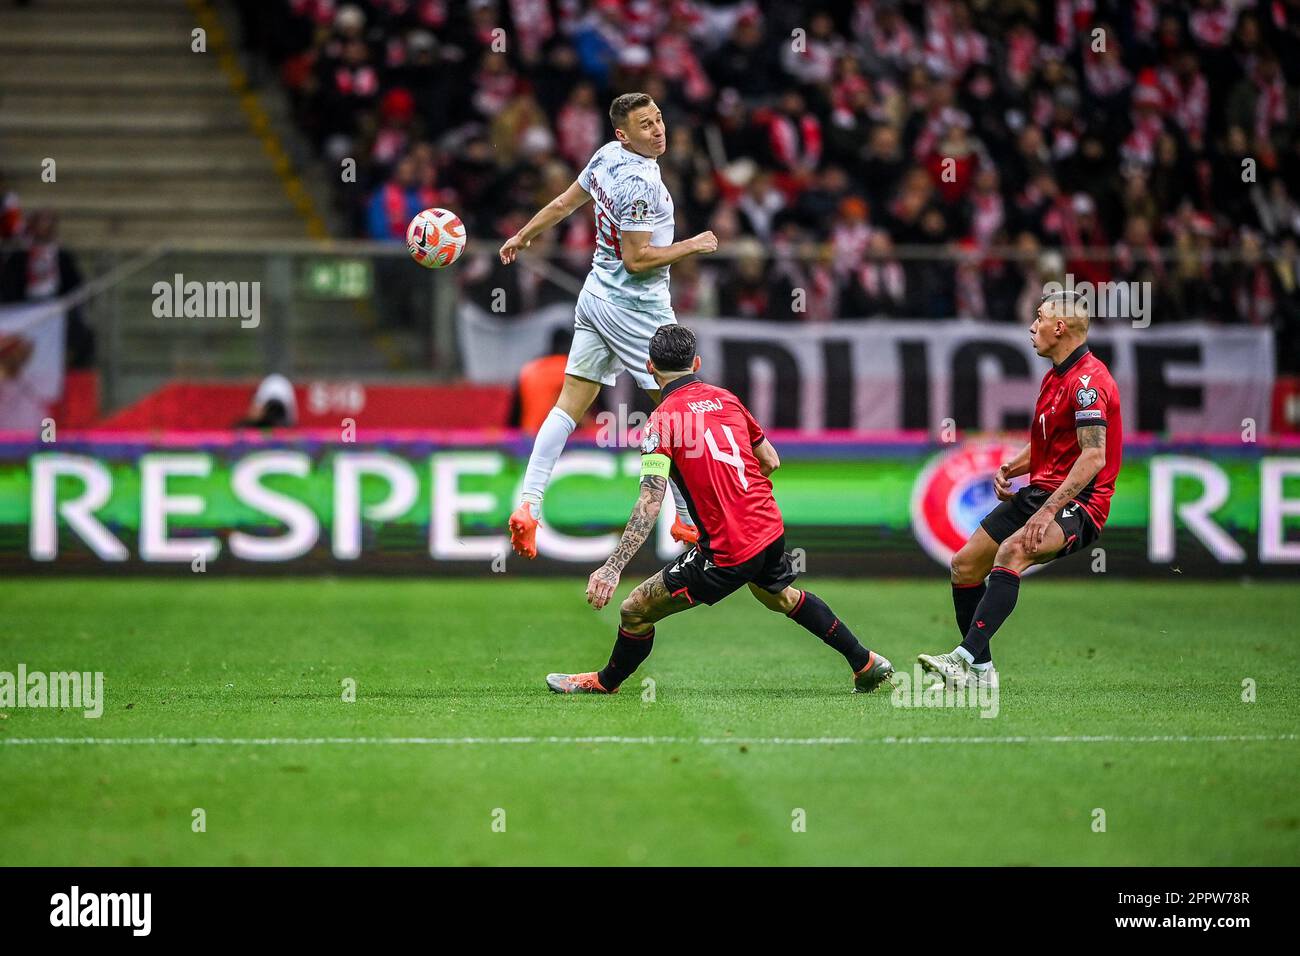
625	297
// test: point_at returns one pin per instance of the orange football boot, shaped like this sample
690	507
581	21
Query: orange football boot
523	531
685	533
577	684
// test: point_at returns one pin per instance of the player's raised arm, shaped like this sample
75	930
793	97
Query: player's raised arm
640	256
654	483
558	209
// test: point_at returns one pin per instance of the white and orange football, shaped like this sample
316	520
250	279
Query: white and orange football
435	238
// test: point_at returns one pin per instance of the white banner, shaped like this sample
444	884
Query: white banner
886	376
31	364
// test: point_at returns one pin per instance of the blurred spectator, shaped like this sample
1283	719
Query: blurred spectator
41	269
759	205
745	293
398	201
694	289
273	405
960	124
541	381
746	61
878	287
1286	291
11	212
1249	283
851	232
580	127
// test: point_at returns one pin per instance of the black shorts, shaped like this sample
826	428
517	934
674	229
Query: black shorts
1010	516
700	581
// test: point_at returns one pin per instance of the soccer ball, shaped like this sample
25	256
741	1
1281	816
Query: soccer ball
435	238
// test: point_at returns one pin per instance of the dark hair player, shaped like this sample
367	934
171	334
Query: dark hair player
709	443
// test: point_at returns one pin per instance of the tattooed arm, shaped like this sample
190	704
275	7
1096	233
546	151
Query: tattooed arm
603	581
1091	460
644	515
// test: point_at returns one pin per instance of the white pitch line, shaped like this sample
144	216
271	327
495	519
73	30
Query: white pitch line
634	741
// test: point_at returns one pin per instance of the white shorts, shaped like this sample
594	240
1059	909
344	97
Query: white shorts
608	338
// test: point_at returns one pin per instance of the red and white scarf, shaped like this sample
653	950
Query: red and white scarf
796	144
1189	103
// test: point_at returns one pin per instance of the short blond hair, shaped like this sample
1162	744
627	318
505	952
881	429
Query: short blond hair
1068	304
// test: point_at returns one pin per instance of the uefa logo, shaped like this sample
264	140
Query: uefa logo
953	492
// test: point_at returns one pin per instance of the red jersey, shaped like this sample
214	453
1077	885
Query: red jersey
710	438
1076	393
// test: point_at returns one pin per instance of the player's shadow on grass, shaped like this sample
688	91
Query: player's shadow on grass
762	693
480	691
429	693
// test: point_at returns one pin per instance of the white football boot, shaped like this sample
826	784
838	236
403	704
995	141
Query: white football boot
953	669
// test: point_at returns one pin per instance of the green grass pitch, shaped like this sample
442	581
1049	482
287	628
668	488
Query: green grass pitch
239	659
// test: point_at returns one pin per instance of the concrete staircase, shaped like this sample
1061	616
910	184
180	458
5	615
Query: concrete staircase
153	143
149	138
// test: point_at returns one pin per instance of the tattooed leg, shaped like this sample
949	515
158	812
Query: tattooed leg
648	603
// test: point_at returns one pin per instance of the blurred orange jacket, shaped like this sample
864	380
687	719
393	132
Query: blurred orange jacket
540	383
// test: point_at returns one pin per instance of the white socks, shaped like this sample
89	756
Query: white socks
683	513
555	431
964	654
550	441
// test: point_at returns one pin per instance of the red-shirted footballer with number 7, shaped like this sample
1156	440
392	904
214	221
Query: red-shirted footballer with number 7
706	440
1072	459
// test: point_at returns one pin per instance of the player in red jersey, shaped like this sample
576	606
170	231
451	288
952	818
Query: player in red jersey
707	441
1072	459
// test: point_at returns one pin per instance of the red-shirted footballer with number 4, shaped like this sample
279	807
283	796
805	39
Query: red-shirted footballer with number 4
709	444
1072	459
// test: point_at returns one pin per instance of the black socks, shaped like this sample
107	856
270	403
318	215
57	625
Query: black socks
965	599
630	651
995	607
812	614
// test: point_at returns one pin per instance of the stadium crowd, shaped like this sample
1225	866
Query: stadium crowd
1016	140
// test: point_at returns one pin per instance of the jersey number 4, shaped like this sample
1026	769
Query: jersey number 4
609	233
733	459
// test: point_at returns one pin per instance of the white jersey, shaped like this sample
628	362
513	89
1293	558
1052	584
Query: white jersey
629	197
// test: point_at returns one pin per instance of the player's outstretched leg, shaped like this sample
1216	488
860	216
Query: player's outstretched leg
649	603
996	606
810	612
575	398
970	566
